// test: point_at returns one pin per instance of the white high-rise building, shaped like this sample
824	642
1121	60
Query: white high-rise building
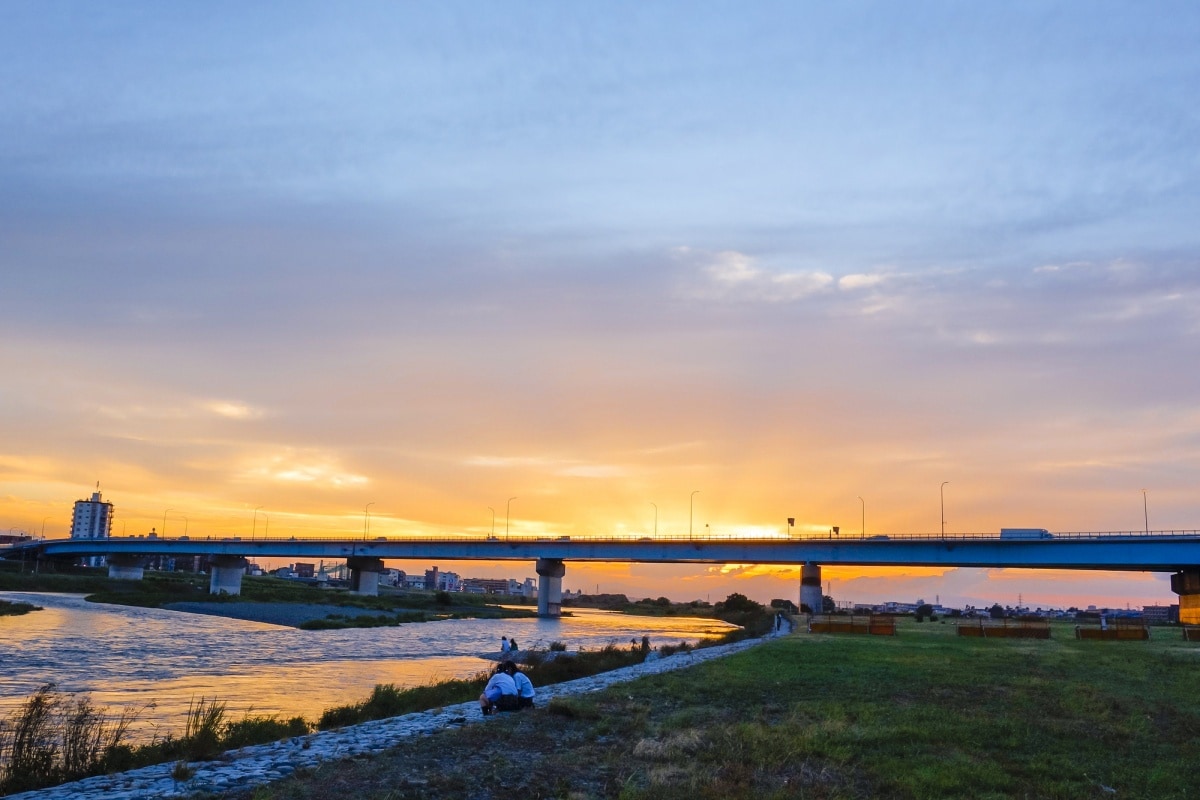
93	518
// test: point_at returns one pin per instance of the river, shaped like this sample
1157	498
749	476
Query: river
158	661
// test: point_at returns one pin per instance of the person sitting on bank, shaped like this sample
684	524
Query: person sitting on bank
500	694
525	692
513	647
505	647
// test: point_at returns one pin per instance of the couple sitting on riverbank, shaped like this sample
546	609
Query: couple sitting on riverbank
509	689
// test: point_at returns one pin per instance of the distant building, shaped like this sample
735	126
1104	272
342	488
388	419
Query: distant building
1161	615
431	579
92	520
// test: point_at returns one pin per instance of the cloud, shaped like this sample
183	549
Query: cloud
860	281
563	467
233	410
303	467
730	275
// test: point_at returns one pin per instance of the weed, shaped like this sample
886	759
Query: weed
202	732
182	771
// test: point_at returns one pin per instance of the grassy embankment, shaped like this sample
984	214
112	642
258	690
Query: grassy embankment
924	714
55	738
157	589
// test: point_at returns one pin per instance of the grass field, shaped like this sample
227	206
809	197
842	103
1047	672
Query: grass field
924	714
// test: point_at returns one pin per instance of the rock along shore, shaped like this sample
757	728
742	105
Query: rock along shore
252	766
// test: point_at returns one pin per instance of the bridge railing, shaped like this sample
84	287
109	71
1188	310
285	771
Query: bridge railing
715	537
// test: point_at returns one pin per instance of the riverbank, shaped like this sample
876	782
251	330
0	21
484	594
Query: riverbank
924	714
292	614
248	767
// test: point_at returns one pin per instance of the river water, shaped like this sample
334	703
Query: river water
158	661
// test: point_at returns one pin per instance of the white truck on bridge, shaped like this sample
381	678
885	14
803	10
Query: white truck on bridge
1025	533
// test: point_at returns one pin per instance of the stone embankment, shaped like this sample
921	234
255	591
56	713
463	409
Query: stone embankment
251	766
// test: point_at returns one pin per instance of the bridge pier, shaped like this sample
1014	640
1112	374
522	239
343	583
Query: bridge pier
1186	584
364	574
811	599
226	574
550	574
126	568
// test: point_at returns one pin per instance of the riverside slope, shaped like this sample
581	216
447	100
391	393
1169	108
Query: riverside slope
259	764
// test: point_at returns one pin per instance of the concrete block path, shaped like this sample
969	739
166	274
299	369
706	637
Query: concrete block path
259	764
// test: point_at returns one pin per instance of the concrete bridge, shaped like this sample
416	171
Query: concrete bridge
1176	552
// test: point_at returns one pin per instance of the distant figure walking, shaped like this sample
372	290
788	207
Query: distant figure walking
505	647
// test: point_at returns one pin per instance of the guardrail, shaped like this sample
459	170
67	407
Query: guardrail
668	537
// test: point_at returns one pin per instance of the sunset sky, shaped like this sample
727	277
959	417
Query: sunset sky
597	257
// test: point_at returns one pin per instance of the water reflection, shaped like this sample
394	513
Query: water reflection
124	656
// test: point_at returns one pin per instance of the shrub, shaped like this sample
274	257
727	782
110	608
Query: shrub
262	729
202	732
49	740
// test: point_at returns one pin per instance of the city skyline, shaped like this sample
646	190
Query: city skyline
577	272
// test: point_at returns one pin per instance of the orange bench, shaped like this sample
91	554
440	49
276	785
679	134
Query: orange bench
1123	633
1005	628
872	624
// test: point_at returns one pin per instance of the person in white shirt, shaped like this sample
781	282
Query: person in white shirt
500	694
525	692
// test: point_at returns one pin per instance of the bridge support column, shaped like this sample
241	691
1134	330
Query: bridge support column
125	568
550	574
1186	584
810	588
364	574
226	576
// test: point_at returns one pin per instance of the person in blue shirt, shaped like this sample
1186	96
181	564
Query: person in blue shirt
525	692
500	694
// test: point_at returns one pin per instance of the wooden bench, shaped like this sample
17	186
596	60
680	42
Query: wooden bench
1124	632
1191	633
1005	628
871	624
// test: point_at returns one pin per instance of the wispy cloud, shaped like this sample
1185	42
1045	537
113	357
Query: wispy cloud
730	275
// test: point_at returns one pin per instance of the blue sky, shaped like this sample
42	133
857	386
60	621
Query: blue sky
599	257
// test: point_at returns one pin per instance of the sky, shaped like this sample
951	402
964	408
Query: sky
317	268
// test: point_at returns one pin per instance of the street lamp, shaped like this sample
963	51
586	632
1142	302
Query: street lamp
1146	510
493	536
43	536
655	519
254	526
507	516
864	516
367	519
691	507
164	524
943	493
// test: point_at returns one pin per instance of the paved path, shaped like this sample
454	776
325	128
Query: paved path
251	766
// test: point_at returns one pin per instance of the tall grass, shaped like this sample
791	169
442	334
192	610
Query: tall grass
50	739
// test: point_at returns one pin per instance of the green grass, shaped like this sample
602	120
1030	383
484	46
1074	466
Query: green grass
929	715
924	715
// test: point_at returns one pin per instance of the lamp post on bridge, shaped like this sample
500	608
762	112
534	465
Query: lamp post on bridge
507	516
1146	511
691	510
655	519
943	494
864	517
254	525
493	536
367	519
164	523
